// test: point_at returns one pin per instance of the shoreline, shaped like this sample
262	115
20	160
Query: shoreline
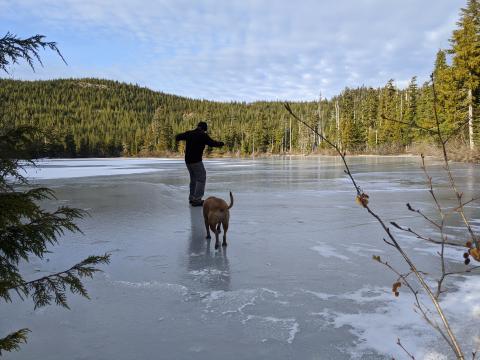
260	156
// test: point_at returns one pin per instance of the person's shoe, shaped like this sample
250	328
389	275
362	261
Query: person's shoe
196	203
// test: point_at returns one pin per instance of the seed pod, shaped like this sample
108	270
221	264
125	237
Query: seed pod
465	255
397	293
468	244
467	261
475	253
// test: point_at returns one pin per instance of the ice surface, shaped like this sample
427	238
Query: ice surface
329	252
63	168
295	282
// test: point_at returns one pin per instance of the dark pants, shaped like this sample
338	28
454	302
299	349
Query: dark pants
198	178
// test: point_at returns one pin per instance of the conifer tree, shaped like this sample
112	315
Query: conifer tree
449	98
27	230
466	62
390	131
411	112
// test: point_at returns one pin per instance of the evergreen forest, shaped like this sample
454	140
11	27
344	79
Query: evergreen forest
95	117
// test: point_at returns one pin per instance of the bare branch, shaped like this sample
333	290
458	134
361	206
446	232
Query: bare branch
406	352
418	236
476	198
449	337
449	172
409	207
409	124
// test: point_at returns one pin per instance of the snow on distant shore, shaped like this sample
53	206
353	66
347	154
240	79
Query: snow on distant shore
75	168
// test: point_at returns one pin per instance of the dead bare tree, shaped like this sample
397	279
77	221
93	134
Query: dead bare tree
433	292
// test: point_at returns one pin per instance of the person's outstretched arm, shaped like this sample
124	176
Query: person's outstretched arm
182	136
210	142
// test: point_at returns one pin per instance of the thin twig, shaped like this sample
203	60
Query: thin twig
476	198
422	308
409	124
449	172
408	354
456	131
452	339
419	236
409	207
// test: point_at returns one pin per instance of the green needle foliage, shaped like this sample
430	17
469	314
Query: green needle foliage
13	49
26	229
95	117
12	341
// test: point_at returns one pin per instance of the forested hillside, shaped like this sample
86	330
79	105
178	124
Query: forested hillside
92	117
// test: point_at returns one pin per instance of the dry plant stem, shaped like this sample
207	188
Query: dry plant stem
406	351
432	131
423	309
430	188
452	339
337	149
456	131
449	172
476	198
463	271
441	228
409	207
459	209
406	123
418	236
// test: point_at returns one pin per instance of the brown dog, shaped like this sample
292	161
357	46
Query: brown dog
215	212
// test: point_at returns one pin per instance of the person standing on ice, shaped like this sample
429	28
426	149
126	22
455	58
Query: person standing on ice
196	140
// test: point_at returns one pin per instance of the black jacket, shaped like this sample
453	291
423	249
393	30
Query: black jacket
196	141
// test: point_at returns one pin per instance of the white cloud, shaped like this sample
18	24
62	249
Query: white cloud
253	49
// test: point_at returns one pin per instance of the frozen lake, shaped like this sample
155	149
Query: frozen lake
297	280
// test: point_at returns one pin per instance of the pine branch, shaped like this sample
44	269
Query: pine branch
16	149
13	49
12	341
19	239
52	288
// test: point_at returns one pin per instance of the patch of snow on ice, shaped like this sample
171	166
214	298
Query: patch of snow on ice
226	302
380	319
362	250
238	303
329	251
63	169
269	327
379	329
463	309
433	355
153	285
322	296
450	253
207	272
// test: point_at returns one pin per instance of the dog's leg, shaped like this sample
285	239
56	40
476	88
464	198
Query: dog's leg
207	227
217	242
225	228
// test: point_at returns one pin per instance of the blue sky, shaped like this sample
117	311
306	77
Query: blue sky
242	50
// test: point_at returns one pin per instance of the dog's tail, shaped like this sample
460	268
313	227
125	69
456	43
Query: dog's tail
231	200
